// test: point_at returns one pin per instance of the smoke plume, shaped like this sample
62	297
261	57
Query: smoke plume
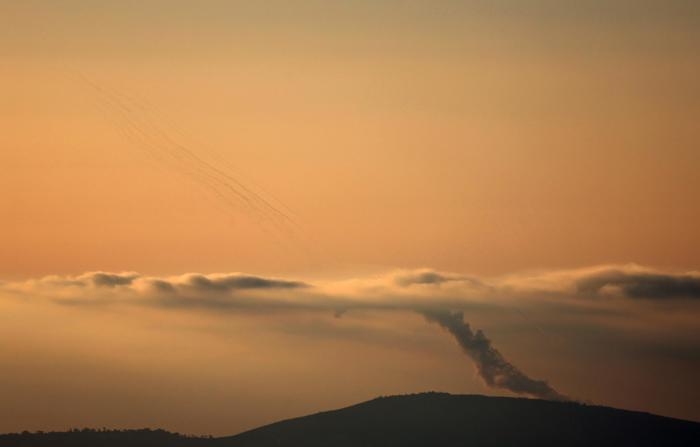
492	367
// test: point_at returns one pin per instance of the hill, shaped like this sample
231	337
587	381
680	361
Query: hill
428	419
103	438
437	419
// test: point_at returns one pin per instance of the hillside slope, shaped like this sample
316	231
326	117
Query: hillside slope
437	419
103	438
428	419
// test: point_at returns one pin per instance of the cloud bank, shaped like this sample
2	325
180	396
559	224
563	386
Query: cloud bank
441	297
641	284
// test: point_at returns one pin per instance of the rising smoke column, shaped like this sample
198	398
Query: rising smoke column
492	367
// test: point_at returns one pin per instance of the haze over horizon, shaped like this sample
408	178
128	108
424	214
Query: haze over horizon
220	214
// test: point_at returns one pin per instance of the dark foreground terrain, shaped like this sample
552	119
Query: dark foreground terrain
430	419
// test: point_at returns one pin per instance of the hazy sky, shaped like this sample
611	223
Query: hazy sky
339	141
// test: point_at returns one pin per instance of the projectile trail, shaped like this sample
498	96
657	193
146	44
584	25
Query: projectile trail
135	122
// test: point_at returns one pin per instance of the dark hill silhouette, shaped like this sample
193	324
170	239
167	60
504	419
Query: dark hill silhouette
103	438
428	419
437	419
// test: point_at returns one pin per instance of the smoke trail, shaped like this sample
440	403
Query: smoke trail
492	367
135	121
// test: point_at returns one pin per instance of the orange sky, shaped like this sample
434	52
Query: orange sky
449	136
341	139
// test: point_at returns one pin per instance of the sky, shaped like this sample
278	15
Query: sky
211	209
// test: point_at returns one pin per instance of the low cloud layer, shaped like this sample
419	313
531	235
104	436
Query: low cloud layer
641	284
410	288
227	283
441	297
